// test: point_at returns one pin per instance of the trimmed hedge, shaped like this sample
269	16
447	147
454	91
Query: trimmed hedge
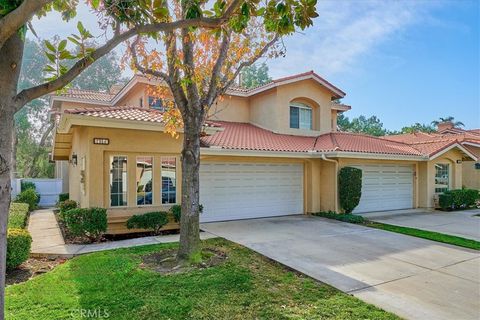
345	217
19	243
86	222
458	199
63	197
176	211
17	215
66	206
153	221
349	188
30	197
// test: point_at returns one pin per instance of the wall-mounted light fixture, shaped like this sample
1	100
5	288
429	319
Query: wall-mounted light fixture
74	160
459	161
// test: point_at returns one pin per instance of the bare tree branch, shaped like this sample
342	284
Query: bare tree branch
10	23
228	82
217	68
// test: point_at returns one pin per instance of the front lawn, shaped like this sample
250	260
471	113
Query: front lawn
245	286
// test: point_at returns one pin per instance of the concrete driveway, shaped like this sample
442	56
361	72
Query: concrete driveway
458	223
412	277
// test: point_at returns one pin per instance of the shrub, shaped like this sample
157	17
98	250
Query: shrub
30	197
458	199
349	188
17	216
63	197
19	242
86	222
24	185
176	211
151	221
65	206
345	217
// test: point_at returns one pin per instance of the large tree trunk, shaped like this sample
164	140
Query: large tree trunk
10	61
189	223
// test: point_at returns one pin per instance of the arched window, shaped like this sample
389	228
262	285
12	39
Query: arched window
300	116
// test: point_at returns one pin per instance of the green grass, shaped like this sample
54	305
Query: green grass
245	286
18	214
430	235
425	234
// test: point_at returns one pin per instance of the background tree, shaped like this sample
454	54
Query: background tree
33	126
254	75
120	20
418	127
372	125
198	66
448	119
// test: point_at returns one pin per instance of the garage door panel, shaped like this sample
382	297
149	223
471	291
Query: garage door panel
230	191
386	187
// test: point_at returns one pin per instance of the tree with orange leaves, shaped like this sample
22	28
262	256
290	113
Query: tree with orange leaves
198	65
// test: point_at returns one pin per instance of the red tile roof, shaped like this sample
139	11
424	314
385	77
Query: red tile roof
88	95
245	136
121	113
432	143
353	142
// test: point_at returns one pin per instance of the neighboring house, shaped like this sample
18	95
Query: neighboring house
267	151
447	136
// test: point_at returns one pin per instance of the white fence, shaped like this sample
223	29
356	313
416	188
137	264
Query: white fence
49	189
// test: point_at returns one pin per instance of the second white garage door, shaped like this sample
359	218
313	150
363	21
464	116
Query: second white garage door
231	191
386	187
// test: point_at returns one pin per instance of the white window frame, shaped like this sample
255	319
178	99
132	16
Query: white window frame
301	106
176	181
449	172
153	182
110	181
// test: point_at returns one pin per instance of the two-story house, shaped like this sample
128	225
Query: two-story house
267	151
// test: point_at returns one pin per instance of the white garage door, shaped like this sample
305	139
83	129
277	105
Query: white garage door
386	187
230	191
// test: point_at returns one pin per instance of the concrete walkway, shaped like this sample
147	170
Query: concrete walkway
458	223
48	240
411	277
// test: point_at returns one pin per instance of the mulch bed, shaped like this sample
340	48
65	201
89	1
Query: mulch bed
31	268
164	262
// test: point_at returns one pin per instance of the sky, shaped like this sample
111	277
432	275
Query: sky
403	61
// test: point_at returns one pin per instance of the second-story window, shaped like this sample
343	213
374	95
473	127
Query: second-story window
156	103
300	116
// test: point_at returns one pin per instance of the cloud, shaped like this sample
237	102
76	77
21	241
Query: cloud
344	32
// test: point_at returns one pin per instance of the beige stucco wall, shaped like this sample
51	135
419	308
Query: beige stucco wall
230	108
80	148
132	98
470	175
271	109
